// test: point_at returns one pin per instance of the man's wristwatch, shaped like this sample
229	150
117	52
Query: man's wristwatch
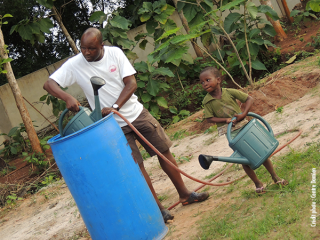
116	107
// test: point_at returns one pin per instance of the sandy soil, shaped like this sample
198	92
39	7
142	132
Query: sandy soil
53	214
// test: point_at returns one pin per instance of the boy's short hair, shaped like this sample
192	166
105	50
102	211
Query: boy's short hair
213	70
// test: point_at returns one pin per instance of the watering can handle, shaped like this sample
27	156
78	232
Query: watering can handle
252	115
61	119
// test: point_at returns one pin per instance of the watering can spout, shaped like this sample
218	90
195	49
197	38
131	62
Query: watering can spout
206	160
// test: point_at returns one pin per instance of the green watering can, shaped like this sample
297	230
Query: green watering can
84	117
252	145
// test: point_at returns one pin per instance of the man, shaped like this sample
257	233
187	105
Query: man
111	64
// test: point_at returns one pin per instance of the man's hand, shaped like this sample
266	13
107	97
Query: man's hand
72	104
106	111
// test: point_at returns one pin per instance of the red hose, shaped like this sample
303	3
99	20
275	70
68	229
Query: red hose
187	175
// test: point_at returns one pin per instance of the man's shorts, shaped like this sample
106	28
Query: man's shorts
151	129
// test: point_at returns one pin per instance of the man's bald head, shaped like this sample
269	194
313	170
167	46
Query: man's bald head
92	33
92	45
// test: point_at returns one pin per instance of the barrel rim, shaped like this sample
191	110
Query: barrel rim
58	138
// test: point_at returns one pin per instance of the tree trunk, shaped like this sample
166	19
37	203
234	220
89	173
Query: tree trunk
286	9
186	27
57	16
35	144
276	24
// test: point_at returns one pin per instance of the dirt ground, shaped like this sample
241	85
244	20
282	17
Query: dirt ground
53	214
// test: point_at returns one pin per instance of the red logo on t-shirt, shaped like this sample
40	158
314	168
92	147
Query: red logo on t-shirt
113	68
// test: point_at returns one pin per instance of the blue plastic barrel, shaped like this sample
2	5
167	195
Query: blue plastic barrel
107	185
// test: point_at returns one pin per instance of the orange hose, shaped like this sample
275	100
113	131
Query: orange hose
187	175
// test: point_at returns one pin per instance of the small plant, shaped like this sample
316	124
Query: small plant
301	39
15	142
162	197
144	154
38	159
50	179
211	129
12	198
179	134
57	105
179	115
279	109
182	159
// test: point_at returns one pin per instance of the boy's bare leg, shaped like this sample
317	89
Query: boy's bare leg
174	175
252	175
268	165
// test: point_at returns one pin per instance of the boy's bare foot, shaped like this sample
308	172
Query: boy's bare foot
260	190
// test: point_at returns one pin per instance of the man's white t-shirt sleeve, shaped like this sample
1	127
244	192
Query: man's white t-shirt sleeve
126	69
64	76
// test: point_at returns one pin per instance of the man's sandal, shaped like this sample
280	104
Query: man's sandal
195	197
166	215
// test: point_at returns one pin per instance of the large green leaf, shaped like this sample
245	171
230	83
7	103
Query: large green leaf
256	64
169	25
216	30
120	22
96	16
253	48
153	87
268	11
231	5
173	110
143	44
116	32
188	58
184	113
269	30
169	10
267	42
182	38
147	6
146	97
258	41
25	32
164	71
240	44
159	4
162	18
176	54
230	20
180	6
151	26
198	19
162	102
144	76
6	60
314	5
139	36
35	27
13	131
154	107
141	66
252	9
145	17
168	33
190	11
40	38
141	84
45	25
125	43
131	55
254	32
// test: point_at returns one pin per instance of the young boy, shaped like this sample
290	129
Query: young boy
220	107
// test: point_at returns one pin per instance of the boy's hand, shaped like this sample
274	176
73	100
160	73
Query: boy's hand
228	120
240	116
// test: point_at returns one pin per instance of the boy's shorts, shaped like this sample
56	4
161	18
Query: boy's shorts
151	129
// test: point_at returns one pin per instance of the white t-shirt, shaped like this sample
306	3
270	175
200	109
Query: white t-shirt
113	67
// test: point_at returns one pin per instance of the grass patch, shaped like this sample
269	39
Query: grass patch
281	213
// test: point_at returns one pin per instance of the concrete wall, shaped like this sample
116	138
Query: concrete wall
31	84
31	87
